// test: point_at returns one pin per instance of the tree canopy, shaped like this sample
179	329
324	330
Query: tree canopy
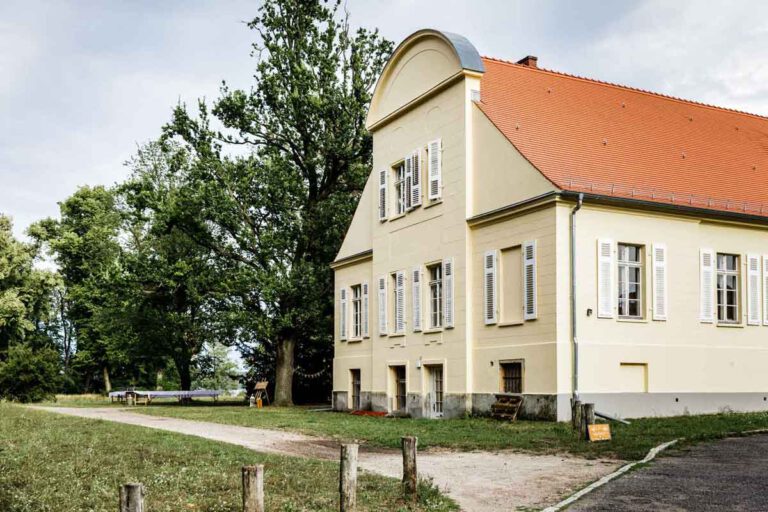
223	233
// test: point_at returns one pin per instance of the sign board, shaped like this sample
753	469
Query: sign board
599	432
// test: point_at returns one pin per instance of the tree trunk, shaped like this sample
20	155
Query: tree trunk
284	372
107	383
185	375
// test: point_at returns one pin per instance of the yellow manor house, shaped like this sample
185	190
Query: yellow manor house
528	232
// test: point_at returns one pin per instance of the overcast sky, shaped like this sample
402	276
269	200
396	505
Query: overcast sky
83	82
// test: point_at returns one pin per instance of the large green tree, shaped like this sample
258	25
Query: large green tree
178	301
24	291
279	214
84	245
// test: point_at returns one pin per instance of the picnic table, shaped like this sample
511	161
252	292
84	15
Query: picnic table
137	396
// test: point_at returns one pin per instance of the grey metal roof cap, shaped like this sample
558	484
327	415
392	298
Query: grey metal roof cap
469	58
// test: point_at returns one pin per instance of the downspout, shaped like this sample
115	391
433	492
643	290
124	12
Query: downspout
574	337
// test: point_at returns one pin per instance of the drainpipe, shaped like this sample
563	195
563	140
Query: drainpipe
574	337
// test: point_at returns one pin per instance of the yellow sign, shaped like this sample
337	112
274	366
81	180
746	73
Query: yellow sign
599	432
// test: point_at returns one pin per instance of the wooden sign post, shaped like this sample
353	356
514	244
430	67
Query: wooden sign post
599	432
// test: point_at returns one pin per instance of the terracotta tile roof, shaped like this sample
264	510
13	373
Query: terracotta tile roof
587	135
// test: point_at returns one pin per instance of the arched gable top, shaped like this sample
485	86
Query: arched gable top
424	60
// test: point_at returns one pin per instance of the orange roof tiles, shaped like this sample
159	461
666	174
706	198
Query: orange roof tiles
585	135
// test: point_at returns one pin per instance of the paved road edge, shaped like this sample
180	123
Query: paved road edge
607	478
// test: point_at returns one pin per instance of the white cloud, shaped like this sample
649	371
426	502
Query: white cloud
711	52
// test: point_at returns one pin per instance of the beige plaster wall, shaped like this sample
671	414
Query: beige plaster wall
682	353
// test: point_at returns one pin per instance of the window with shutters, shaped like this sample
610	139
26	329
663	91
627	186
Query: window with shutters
343	314
530	307
383	193
630	292
435	295
398	302
511	285
753	289
357	311
490	288
382	304
727	291
366	310
434	170
400	188
511	376
416	179
416	298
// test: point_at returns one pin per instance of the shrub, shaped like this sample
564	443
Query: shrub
29	375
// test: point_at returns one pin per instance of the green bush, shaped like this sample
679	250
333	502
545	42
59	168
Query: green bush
29	375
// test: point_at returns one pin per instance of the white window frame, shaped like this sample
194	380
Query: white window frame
357	311
623	282
436	298
399	182
398	302
724	273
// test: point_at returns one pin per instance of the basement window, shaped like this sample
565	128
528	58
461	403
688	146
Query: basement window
511	376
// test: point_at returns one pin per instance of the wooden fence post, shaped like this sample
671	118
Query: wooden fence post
589	418
253	488
348	478
410	477
576	415
132	498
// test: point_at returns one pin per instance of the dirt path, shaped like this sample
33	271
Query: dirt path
478	481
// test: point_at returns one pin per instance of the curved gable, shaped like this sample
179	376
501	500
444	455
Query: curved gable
421	62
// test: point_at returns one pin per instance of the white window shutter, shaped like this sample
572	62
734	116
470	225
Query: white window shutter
659	282
416	299
707	285
383	195
416	179
490	285
765	289
382	305
408	188
605	288
753	289
448	292
435	170
366	315
400	302
530	309
343	315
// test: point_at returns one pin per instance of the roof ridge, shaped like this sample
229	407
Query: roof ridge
626	87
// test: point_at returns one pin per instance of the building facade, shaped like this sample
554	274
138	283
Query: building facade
530	232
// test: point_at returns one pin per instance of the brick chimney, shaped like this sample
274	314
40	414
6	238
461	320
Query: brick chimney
531	61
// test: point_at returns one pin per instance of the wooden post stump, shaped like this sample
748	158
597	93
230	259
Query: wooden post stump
348	478
589	418
253	488
132	498
576	415
410	477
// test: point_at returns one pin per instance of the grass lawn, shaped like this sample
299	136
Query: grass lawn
50	462
629	442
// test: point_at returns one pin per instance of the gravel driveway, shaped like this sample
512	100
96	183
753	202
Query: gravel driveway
478	481
728	475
